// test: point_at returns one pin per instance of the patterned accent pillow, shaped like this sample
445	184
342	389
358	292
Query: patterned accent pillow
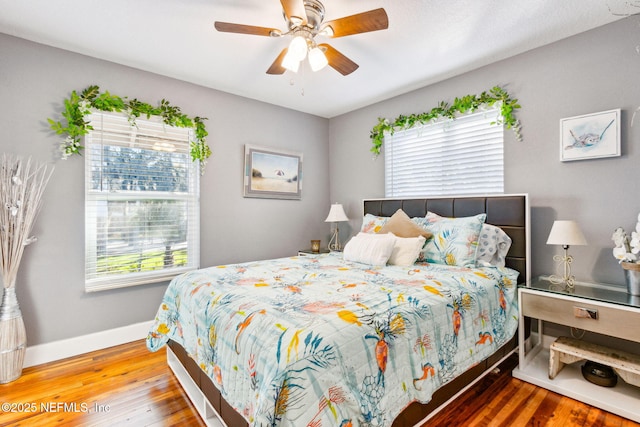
455	240
493	246
372	223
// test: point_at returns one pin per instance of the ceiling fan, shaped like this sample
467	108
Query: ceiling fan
305	21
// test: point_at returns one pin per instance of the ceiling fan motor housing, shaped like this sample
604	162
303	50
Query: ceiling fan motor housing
315	13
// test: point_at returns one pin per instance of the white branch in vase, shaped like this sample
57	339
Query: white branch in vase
22	183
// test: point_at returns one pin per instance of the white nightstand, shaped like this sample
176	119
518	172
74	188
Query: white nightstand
599	308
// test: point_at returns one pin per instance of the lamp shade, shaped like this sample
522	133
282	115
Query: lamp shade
566	233
298	48
336	214
290	63
317	59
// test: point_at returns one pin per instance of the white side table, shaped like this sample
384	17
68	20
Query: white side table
599	308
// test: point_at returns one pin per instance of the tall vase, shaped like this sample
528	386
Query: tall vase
13	337
632	277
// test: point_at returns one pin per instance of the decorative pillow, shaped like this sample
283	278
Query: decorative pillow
420	221
493	246
402	226
455	240
372	223
369	248
406	250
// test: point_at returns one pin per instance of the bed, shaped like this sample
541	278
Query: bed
328	340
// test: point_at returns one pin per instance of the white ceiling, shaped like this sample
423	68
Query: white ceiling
427	41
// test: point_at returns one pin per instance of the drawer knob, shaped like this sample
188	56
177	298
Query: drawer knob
585	313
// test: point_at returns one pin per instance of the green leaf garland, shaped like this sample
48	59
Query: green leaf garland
466	104
76	107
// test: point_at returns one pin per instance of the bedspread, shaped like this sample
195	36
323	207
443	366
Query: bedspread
318	341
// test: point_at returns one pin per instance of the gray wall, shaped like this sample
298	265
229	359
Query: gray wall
34	80
594	71
591	72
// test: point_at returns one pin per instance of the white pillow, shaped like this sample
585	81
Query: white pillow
406	250
369	248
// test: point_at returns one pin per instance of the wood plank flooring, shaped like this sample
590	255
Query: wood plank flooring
124	385
501	400
129	386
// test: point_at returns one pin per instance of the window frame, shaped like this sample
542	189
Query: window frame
96	282
467	133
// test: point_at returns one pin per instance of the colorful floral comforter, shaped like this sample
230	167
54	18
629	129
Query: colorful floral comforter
317	341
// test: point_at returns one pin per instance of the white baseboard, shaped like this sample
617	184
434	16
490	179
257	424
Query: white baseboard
49	352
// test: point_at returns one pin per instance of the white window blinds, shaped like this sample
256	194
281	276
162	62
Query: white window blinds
141	204
452	157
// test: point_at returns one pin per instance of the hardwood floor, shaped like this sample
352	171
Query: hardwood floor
129	386
124	385
501	400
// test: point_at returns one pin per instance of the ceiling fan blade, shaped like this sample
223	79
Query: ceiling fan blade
295	11
276	67
228	27
364	22
338	61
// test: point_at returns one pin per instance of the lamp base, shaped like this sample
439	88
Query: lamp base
564	283
334	242
567	280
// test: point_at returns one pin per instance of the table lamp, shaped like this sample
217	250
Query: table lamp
336	214
565	233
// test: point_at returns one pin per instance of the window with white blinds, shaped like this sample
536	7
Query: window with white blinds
142	204
452	157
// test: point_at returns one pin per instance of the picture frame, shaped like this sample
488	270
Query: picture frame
590	136
272	173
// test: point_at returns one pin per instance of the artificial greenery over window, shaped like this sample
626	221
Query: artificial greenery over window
77	107
466	104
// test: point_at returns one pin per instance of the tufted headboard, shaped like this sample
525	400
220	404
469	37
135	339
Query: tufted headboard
507	211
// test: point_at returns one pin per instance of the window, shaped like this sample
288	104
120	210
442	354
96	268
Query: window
452	157
141	204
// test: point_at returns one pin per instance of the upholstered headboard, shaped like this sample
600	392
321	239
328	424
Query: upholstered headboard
509	212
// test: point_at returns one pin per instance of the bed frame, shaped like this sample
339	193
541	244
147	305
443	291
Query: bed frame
509	212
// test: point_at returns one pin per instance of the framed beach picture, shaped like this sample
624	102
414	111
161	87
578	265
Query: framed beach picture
272	173
590	136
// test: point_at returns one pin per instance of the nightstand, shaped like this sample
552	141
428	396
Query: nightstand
306	252
600	308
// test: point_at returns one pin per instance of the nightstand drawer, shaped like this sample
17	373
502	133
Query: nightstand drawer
579	313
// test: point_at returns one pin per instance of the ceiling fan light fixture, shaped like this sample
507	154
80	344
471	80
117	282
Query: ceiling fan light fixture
317	59
290	63
305	21
298	48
